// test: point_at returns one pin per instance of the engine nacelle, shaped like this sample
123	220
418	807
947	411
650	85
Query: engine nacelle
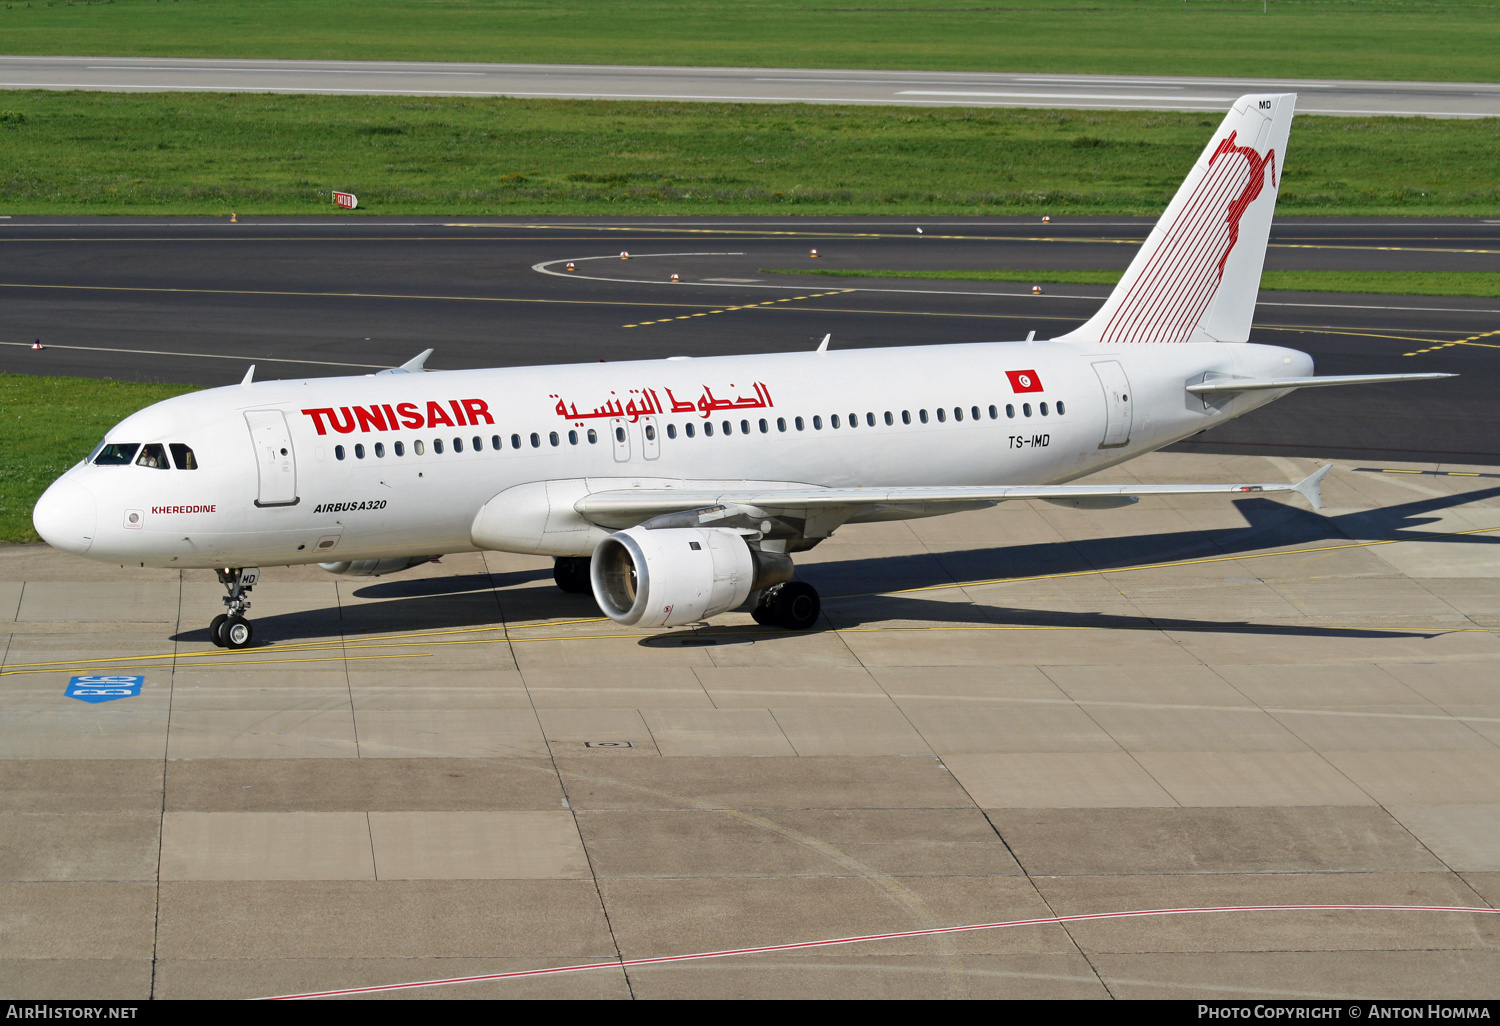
674	576
376	567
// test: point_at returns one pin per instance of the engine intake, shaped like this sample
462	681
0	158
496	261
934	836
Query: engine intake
666	578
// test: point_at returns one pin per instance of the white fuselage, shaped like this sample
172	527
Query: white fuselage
333	495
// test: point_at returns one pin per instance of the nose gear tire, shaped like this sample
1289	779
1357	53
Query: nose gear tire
238	633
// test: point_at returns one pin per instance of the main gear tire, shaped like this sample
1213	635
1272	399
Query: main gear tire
795	606
216	629
572	574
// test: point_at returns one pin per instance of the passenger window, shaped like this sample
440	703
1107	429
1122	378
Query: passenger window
437	446
153	455
798	421
359	451
889	420
458	445
338	451
1060	410
536	440
572	437
817	423
619	434
922	416
671	430
780	423
1043	408
495	443
689	429
418	447
708	429
744	427
764	427
728	428
958	413
994	414
1010	411
515	441
380	450
478	444
552	437
650	432
906	416
399	448
593	437
1026	409
870	419
854	420
183	457
833	421
974	413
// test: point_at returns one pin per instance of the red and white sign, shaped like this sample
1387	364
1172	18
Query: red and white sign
346	199
1024	381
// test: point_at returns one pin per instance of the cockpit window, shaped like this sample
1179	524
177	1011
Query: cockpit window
183	457
153	454
115	454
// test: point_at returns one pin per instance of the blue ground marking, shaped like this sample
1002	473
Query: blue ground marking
104	689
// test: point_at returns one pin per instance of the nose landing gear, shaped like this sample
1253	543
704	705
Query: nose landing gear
230	629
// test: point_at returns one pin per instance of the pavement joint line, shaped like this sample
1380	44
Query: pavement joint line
625	963
727	309
1355	334
207	356
1472	340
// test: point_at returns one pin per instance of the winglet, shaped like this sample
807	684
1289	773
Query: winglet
412	366
823	345
1311	486
248	378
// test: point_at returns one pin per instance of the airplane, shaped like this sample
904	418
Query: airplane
679	489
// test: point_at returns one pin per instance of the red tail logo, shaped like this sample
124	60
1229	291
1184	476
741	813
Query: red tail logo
1166	302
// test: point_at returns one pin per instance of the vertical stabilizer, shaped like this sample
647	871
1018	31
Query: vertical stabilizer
1197	276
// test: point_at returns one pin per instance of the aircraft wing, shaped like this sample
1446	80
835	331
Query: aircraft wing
629	507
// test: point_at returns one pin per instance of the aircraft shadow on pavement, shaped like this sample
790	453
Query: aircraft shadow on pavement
860	591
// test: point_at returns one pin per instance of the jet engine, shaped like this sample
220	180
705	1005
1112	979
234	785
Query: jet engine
376	567
672	576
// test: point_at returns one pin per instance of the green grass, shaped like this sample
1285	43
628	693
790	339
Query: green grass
1392	283
48	425
1377	39
136	153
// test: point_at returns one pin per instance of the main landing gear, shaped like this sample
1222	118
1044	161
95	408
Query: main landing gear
794	605
231	629
572	574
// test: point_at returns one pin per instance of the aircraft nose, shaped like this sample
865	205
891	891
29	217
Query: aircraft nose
66	516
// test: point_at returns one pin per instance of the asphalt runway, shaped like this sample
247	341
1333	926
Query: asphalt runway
198	300
740	85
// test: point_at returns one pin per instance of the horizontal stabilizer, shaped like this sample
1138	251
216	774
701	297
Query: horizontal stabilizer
1217	386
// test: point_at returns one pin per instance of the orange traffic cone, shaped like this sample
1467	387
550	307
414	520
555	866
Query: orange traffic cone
1046	219
234	218
570	265
624	255
1036	290
675	278
813	253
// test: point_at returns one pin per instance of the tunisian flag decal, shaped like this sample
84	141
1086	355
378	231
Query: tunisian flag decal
1024	381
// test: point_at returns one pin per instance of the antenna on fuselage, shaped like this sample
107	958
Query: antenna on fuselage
823	345
248	378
